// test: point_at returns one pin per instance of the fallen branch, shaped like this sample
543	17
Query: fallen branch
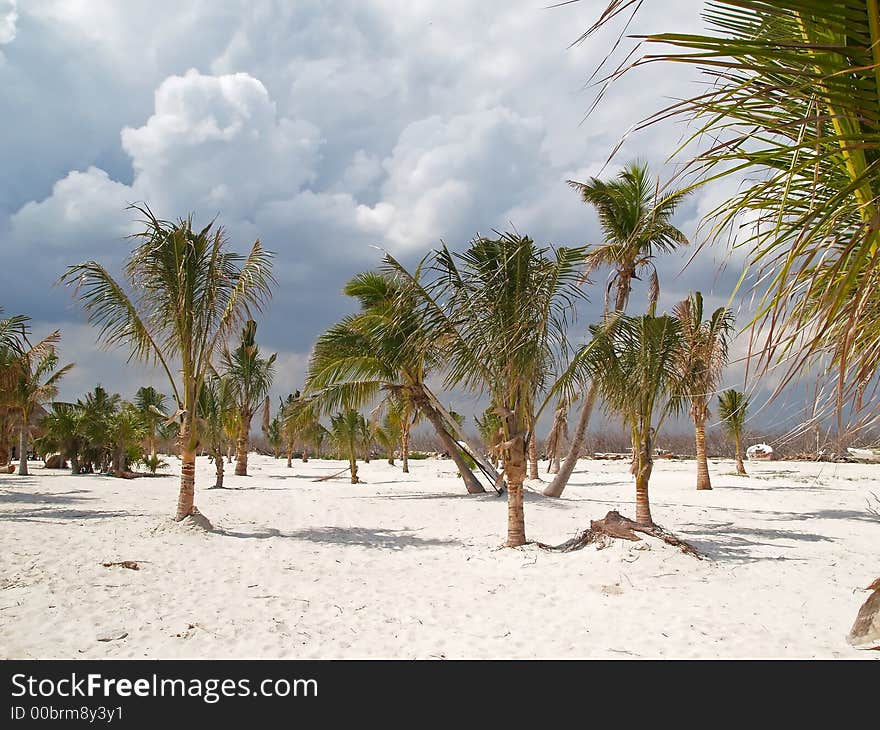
331	476
614	525
130	564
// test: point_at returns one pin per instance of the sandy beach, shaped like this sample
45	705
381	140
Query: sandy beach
409	566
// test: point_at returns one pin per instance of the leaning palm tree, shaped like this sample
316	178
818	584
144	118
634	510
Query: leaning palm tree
703	357
634	362
250	377
635	217
732	408
187	295
34	381
383	349
151	405
790	108
346	430
499	312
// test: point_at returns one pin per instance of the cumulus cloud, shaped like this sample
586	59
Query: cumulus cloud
8	19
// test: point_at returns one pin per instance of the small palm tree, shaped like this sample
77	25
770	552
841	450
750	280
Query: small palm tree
703	357
732	409
635	217
128	435
188	294
558	437
215	403
491	432
13	343
634	362
99	411
33	381
346	429
151	405
387	432
275	435
250	377
62	432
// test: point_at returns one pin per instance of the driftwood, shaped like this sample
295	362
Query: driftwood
865	632
331	476
614	525
130	564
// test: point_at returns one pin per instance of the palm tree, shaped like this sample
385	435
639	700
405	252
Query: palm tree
62	432
382	350
491	433
188	293
790	108
634	214
703	358
99	411
33	381
128	433
732	408
275	436
215	403
151	405
13	343
499	313
634	363
346	429
558	437
250	377
387	432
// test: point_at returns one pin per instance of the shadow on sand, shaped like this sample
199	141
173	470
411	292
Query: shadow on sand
362	536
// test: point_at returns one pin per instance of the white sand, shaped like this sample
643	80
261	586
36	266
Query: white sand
409	566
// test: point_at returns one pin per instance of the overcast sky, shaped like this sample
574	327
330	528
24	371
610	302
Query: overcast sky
322	128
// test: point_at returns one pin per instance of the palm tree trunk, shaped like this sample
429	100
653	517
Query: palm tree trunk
218	464
643	476
740	468
515	470
555	488
404	445
703	481
186	498
152	447
471	483
533	455
22	446
229	453
352	466
305	459
289	456
241	445
74	465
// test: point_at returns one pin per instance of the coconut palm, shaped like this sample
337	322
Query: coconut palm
703	357
635	217
33	381
128	433
275	435
250	377
62	432
187	295
151	405
558	438
732	408
346	430
388	431
491	433
13	343
383	350
499	312
635	365
99	411
216	401
790	108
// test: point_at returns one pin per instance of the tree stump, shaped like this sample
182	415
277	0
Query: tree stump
616	526
865	632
